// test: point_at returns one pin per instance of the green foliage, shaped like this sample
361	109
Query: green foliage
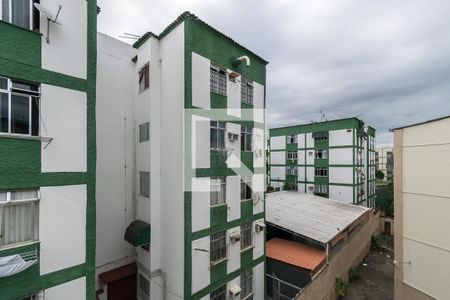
385	199
376	242
287	186
354	273
342	287
270	189
379	174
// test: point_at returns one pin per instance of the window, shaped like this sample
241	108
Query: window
19	107
291	171
320	138
246	91
19	214
144	184
291	139
246	235
246	188
144	77
144	286
219	294
292	155
218	246
321	189
20	13
321	172
246	139
218	190
144	132
246	284
321	154
218	80
217	135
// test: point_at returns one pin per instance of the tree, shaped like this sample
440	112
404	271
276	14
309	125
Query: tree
287	186
379	174
385	199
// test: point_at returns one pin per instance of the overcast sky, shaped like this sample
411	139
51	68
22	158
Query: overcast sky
385	61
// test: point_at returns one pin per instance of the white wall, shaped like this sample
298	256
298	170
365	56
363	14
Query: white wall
258	102
200	264
258	186
233	147
63	118
278	157
201	96
309	140
301	141
200	203
200	142
62	227
340	137
233	196
258	250
67	51
71	290
278	173
301	173
301	188
310	157
341	175
259	149
278	142
310	173
301	160
234	251
340	156
341	193
259	275
233	95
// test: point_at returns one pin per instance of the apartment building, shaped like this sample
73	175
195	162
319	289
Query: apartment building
333	159
384	159
181	166
421	206
47	149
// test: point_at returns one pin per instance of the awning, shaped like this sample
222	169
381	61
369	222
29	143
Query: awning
319	134
138	233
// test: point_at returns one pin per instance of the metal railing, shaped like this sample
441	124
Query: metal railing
278	289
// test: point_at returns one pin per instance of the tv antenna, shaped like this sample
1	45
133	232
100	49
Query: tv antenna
322	116
50	18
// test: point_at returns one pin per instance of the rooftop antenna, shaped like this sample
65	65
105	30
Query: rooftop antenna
50	18
130	36
322	116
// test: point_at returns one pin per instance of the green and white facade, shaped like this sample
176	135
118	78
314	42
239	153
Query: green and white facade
195	96
334	159
47	150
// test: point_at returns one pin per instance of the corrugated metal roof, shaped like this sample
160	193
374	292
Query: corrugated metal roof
313	217
296	254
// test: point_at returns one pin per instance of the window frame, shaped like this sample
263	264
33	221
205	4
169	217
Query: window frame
246	133
218	247
321	152
143	279
294	173
245	280
321	189
144	72
33	94
16	202
321	172
246	91
141	187
246	236
219	294
218	127
292	155
220	190
32	16
246	187
292	139
144	126
218	79
320	138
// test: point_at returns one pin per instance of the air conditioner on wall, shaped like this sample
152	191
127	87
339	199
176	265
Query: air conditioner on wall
260	226
235	237
235	290
233	136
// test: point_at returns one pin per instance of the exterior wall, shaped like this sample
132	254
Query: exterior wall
422	197
350	254
384	162
349	160
61	160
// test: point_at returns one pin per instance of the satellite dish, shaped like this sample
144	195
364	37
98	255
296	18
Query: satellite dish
50	18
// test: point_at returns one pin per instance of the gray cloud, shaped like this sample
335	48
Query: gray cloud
385	61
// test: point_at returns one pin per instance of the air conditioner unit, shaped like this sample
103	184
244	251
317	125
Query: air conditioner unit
232	76
258	153
235	237
233	136
235	290
260	226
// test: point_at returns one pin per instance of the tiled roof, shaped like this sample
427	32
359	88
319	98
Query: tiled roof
296	254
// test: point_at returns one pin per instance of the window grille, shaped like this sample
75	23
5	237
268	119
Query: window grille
218	190
246	91
218	245
246	187
219	294
321	172
218	80
246	138
246	235
246	283
291	171
292	155
217	135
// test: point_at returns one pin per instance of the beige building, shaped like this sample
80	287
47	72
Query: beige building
422	206
384	160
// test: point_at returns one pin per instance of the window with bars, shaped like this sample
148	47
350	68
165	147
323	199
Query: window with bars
218	190
320	138
218	246
246	91
292	155
144	184
218	80
246	139
321	189
144	77
246	188
144	286
321	154
217	135
219	293
19	107
321	172
19	216
246	284
291	171
144	132
291	139
246	235
20	13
